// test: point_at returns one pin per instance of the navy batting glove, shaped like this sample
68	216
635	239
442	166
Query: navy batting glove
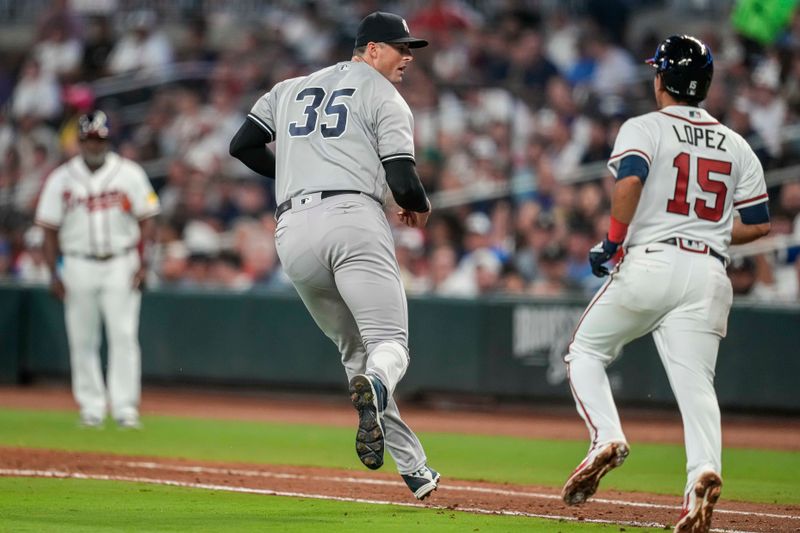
599	254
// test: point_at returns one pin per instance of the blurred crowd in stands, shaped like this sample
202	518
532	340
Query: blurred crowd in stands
521	95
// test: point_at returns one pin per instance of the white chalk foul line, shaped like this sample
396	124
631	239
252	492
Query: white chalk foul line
228	488
447	487
247	490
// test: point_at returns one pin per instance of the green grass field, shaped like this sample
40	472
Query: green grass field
71	506
76	505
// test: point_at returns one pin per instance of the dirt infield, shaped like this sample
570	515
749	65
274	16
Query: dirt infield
621	508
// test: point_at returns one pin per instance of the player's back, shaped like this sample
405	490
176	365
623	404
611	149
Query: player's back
327	130
699	171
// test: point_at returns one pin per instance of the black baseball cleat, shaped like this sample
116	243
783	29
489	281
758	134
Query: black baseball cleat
422	482
368	395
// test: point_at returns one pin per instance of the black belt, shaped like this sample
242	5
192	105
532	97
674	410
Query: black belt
674	242
285	206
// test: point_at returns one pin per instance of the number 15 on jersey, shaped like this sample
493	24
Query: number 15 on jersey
705	169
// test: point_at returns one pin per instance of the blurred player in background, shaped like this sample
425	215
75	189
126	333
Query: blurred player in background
96	209
680	175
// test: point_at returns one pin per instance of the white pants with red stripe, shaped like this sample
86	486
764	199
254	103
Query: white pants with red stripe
683	298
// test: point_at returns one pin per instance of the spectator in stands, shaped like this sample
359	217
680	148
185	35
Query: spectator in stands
31	180
765	106
562	39
190	124
197	46
58	14
444	281
528	69
98	44
487	272
784	260
580	238
31	132
58	53
31	266
198	271
173	264
534	240
614	71
597	146
36	94
511	281
308	34
409	250
226	272
552	278
443	16
751	277
143	47
254	240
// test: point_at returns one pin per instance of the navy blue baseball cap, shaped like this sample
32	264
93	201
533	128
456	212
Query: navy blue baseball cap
380	27
93	125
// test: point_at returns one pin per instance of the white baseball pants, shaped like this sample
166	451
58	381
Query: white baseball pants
95	290
683	298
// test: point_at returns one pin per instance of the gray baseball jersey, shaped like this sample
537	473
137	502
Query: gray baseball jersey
334	129
352	120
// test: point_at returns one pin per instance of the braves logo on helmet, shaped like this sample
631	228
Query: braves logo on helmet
93	126
686	67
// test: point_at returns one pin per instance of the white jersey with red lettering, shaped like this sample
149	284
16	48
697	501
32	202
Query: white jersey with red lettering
671	281
97	213
700	170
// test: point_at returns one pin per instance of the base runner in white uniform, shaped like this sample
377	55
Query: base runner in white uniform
680	175
96	209
344	138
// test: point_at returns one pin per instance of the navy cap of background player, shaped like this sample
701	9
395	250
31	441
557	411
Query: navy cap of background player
93	125
380	27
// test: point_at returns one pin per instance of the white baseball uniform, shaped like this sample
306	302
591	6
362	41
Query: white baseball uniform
97	216
672	280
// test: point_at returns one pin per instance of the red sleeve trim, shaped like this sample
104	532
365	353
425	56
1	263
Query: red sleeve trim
760	197
616	156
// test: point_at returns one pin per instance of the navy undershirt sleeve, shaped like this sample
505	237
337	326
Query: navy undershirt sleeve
403	181
755	214
633	165
249	147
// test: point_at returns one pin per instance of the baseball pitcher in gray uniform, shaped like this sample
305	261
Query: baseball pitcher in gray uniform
343	136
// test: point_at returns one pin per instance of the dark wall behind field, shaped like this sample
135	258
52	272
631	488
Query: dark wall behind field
490	347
